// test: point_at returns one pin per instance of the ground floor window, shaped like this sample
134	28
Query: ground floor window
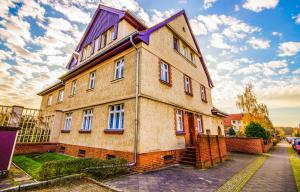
87	120
179	120
116	117
199	124
68	121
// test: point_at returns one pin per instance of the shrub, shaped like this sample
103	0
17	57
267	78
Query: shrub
53	169
231	132
256	130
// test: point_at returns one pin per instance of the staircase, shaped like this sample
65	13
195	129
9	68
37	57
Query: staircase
189	156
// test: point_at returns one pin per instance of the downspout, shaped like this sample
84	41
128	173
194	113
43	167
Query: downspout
136	103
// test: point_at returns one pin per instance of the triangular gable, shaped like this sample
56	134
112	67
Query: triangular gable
144	35
103	19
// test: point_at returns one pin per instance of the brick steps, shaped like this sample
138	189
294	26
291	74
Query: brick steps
189	156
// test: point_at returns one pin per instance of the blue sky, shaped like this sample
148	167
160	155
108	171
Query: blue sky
243	41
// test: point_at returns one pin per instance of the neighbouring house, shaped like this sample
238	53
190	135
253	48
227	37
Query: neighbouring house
135	92
234	121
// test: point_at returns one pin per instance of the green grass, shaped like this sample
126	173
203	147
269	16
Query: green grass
32	163
295	163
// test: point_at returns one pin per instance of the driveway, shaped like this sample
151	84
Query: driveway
182	178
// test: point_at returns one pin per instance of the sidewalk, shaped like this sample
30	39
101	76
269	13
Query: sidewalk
275	175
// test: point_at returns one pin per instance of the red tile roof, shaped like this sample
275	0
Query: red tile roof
230	117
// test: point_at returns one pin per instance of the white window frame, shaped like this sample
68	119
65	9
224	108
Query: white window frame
115	110
200	124
164	72
192	57
60	96
119	69
68	121
97	45
87	120
179	120
92	80
187	84
112	34
203	93
73	87
184	50
49	101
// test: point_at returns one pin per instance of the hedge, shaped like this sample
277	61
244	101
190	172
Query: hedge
96	167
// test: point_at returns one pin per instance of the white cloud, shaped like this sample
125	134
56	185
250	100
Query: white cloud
297	71
259	5
59	24
236	8
31	8
297	19
278	34
289	48
217	41
182	1
257	43
5	55
208	3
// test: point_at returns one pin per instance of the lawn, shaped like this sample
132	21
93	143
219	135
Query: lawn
295	162
32	163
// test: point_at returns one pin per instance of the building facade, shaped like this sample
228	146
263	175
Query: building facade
134	92
234	121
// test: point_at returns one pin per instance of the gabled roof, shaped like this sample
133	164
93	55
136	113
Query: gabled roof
219	113
230	117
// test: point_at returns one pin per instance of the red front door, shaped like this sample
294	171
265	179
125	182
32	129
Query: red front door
191	129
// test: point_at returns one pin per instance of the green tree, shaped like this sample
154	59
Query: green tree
231	132
256	130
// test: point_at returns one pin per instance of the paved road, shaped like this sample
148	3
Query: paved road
180	178
275	175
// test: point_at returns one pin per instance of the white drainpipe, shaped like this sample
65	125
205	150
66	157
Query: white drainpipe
136	103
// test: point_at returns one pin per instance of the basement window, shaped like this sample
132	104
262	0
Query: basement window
108	156
62	150
168	158
81	153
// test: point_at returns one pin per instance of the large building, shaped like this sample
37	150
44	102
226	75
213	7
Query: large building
132	91
234	121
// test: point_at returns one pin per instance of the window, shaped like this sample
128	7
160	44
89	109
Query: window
164	72
179	121
192	58
87	51
119	69
208	131
203	93
187	85
87	120
219	131
104	39
62	149
81	153
184	51
175	44
92	80
199	123
60	96
49	102
108	156
97	43
73	87
116	117
111	33
68	121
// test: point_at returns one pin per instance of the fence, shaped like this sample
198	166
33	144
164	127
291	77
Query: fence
34	125
248	145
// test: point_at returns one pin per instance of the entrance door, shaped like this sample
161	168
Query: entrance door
191	127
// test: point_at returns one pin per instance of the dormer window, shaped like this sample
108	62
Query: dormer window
87	51
104	39
97	44
111	33
108	36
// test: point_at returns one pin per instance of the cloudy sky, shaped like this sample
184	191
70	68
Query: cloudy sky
256	41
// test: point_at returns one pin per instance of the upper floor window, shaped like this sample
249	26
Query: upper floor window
179	121
164	72
68	121
175	44
111	33
119	69
49	102
116	117
104	39
73	87
192	58
87	51
203	93
60	96
199	123
187	85
97	43
92	80
87	119
184	50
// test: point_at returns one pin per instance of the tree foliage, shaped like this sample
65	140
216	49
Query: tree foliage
252	110
231	132
256	130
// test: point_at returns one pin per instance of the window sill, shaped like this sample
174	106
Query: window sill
178	133
165	83
117	80
204	101
59	102
65	131
71	96
79	155
85	131
89	90
114	131
189	94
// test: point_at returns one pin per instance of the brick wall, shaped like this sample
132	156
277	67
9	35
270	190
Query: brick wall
26	148
247	145
211	149
268	146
